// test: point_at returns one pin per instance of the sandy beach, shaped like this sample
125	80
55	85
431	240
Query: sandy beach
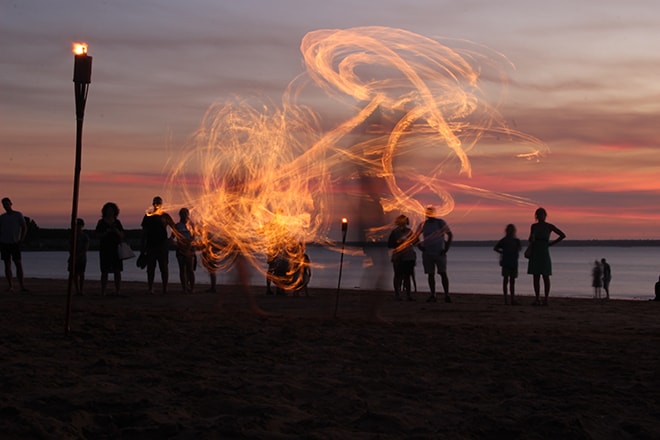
204	366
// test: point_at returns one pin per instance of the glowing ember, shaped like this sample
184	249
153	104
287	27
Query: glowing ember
257	177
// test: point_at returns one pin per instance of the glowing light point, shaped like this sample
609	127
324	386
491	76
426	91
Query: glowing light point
80	48
344	224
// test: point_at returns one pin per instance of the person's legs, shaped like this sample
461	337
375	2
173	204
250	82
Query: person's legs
117	279
164	271
19	272
183	273
81	282
151	272
431	278
546	287
445	285
9	275
104	282
505	285
397	281
190	270
537	286
512	288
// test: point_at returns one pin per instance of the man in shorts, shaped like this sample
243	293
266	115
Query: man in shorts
434	251
13	230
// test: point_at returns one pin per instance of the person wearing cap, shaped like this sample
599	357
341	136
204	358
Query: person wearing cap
434	248
155	243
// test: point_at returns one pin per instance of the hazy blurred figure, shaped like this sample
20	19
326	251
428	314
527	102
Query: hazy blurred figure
110	232
607	277
13	229
540	264
370	218
155	242
82	246
509	249
434	251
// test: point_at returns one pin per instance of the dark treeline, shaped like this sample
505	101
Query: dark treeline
43	239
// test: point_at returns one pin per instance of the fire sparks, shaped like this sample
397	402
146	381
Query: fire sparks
257	177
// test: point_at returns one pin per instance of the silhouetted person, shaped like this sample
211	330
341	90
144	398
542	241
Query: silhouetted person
155	243
509	249
401	240
597	279
657	291
434	251
607	277
13	229
185	251
110	232
540	264
80	255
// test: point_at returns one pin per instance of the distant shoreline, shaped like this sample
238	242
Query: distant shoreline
59	240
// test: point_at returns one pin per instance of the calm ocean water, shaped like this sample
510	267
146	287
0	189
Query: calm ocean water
471	270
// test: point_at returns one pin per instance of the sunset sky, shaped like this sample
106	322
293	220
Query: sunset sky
583	79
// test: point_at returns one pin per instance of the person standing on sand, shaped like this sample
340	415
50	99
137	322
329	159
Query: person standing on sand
597	279
657	291
607	277
403	256
110	232
13	229
509	249
434	251
185	251
540	264
155	243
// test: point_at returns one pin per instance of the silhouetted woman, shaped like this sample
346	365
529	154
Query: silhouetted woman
110	232
539	264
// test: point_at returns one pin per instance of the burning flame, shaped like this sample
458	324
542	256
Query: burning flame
257	176
79	48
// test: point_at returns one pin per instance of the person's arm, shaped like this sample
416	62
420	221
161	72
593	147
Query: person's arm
391	241
119	229
560	235
24	230
143	236
450	239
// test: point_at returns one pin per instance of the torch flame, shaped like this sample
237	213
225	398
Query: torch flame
79	48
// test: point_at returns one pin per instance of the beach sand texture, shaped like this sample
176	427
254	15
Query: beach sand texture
202	366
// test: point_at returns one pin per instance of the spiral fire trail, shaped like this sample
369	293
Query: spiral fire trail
258	177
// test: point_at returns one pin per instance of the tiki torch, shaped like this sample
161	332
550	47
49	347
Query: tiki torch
82	76
344	228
